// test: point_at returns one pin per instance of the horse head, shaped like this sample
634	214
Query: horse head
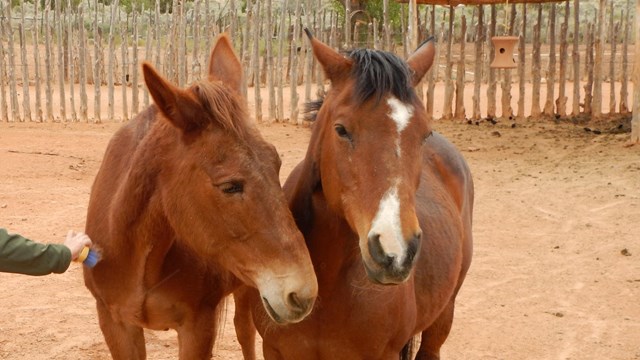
220	188
367	152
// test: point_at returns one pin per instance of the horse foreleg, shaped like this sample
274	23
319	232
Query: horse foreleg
197	334
125	341
436	334
243	323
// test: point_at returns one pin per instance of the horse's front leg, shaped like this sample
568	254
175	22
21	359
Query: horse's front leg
197	334
125	341
243	323
436	334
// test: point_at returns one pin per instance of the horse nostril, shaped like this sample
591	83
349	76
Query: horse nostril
295	302
376	252
413	247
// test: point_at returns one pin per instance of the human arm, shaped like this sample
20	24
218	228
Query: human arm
23	256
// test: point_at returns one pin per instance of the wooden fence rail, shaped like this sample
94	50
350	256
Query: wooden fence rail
54	54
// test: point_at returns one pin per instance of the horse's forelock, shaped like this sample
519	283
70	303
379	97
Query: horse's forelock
378	73
223	106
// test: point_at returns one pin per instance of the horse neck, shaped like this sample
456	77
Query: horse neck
140	229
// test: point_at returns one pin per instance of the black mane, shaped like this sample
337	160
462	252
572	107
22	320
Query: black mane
378	73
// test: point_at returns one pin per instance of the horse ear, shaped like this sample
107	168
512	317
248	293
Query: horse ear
336	66
421	60
179	106
224	64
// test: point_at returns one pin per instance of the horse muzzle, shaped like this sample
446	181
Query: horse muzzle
288	299
390	268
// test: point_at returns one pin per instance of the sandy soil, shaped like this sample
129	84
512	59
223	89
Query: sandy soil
555	273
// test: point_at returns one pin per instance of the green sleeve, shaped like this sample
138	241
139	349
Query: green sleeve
23	256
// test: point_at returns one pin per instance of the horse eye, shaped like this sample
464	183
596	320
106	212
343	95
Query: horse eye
341	131
232	187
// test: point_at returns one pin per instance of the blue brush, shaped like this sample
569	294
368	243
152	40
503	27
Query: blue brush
89	257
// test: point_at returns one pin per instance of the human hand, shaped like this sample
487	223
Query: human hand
76	242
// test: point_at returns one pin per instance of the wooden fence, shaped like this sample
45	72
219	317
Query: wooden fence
72	63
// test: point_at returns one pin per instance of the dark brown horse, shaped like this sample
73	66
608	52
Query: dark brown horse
385	206
186	207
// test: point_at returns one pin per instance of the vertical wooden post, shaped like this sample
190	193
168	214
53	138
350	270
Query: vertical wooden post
135	105
26	102
61	63
624	93
522	46
13	87
293	78
635	122
588	87
268	36
72	51
434	68
124	53
347	24
412	34
157	33
279	61
195	53
308	55
597	65
148	56
576	58
48	63
112	60
36	59
507	110
477	76
233	25
82	65
385	27
613	38
97	81
535	71
491	89
256	61
182	62
561	101
320	30
551	72
447	112
244	50
460	72
4	113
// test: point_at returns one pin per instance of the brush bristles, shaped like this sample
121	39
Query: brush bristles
92	258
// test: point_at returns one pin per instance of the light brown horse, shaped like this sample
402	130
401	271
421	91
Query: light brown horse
186	206
385	206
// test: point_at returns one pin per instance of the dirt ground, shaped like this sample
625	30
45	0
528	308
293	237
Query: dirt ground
556	268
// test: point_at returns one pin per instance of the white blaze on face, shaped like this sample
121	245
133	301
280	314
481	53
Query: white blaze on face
386	223
401	114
